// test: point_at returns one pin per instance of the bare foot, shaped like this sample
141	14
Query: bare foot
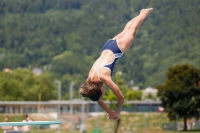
146	12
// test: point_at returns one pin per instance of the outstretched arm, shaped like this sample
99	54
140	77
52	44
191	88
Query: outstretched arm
104	106
120	98
111	114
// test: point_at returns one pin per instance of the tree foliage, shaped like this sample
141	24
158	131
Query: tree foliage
68	35
180	92
128	93
23	85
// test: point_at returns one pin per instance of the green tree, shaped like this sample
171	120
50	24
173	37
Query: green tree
128	93
133	94
35	34
180	93
23	85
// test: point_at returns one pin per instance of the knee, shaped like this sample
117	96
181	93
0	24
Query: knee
127	37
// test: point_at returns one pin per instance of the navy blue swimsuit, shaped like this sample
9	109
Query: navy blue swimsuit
117	53
112	46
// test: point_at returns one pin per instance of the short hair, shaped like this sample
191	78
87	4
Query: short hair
92	91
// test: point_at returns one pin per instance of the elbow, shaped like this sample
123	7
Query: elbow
121	97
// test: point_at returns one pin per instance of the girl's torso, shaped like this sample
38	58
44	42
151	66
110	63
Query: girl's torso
104	65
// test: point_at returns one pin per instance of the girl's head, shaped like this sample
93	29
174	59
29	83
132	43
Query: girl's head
91	90
6	119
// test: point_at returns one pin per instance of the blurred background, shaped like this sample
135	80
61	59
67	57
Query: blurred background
47	48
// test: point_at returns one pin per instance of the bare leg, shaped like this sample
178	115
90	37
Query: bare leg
126	37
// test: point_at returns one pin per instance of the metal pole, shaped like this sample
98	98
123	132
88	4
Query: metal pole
71	105
71	90
83	110
59	98
82	126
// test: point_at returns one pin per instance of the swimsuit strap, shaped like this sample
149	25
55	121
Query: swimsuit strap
96	70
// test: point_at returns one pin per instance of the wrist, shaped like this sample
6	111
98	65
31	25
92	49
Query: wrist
109	111
118	112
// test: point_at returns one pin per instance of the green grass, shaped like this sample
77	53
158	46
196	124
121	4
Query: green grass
130	122
137	131
135	122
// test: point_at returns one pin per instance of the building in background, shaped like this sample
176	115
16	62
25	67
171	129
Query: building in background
27	107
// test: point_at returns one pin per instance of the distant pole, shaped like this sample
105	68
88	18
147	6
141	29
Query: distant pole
71	105
82	126
59	98
59	95
83	110
71	90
